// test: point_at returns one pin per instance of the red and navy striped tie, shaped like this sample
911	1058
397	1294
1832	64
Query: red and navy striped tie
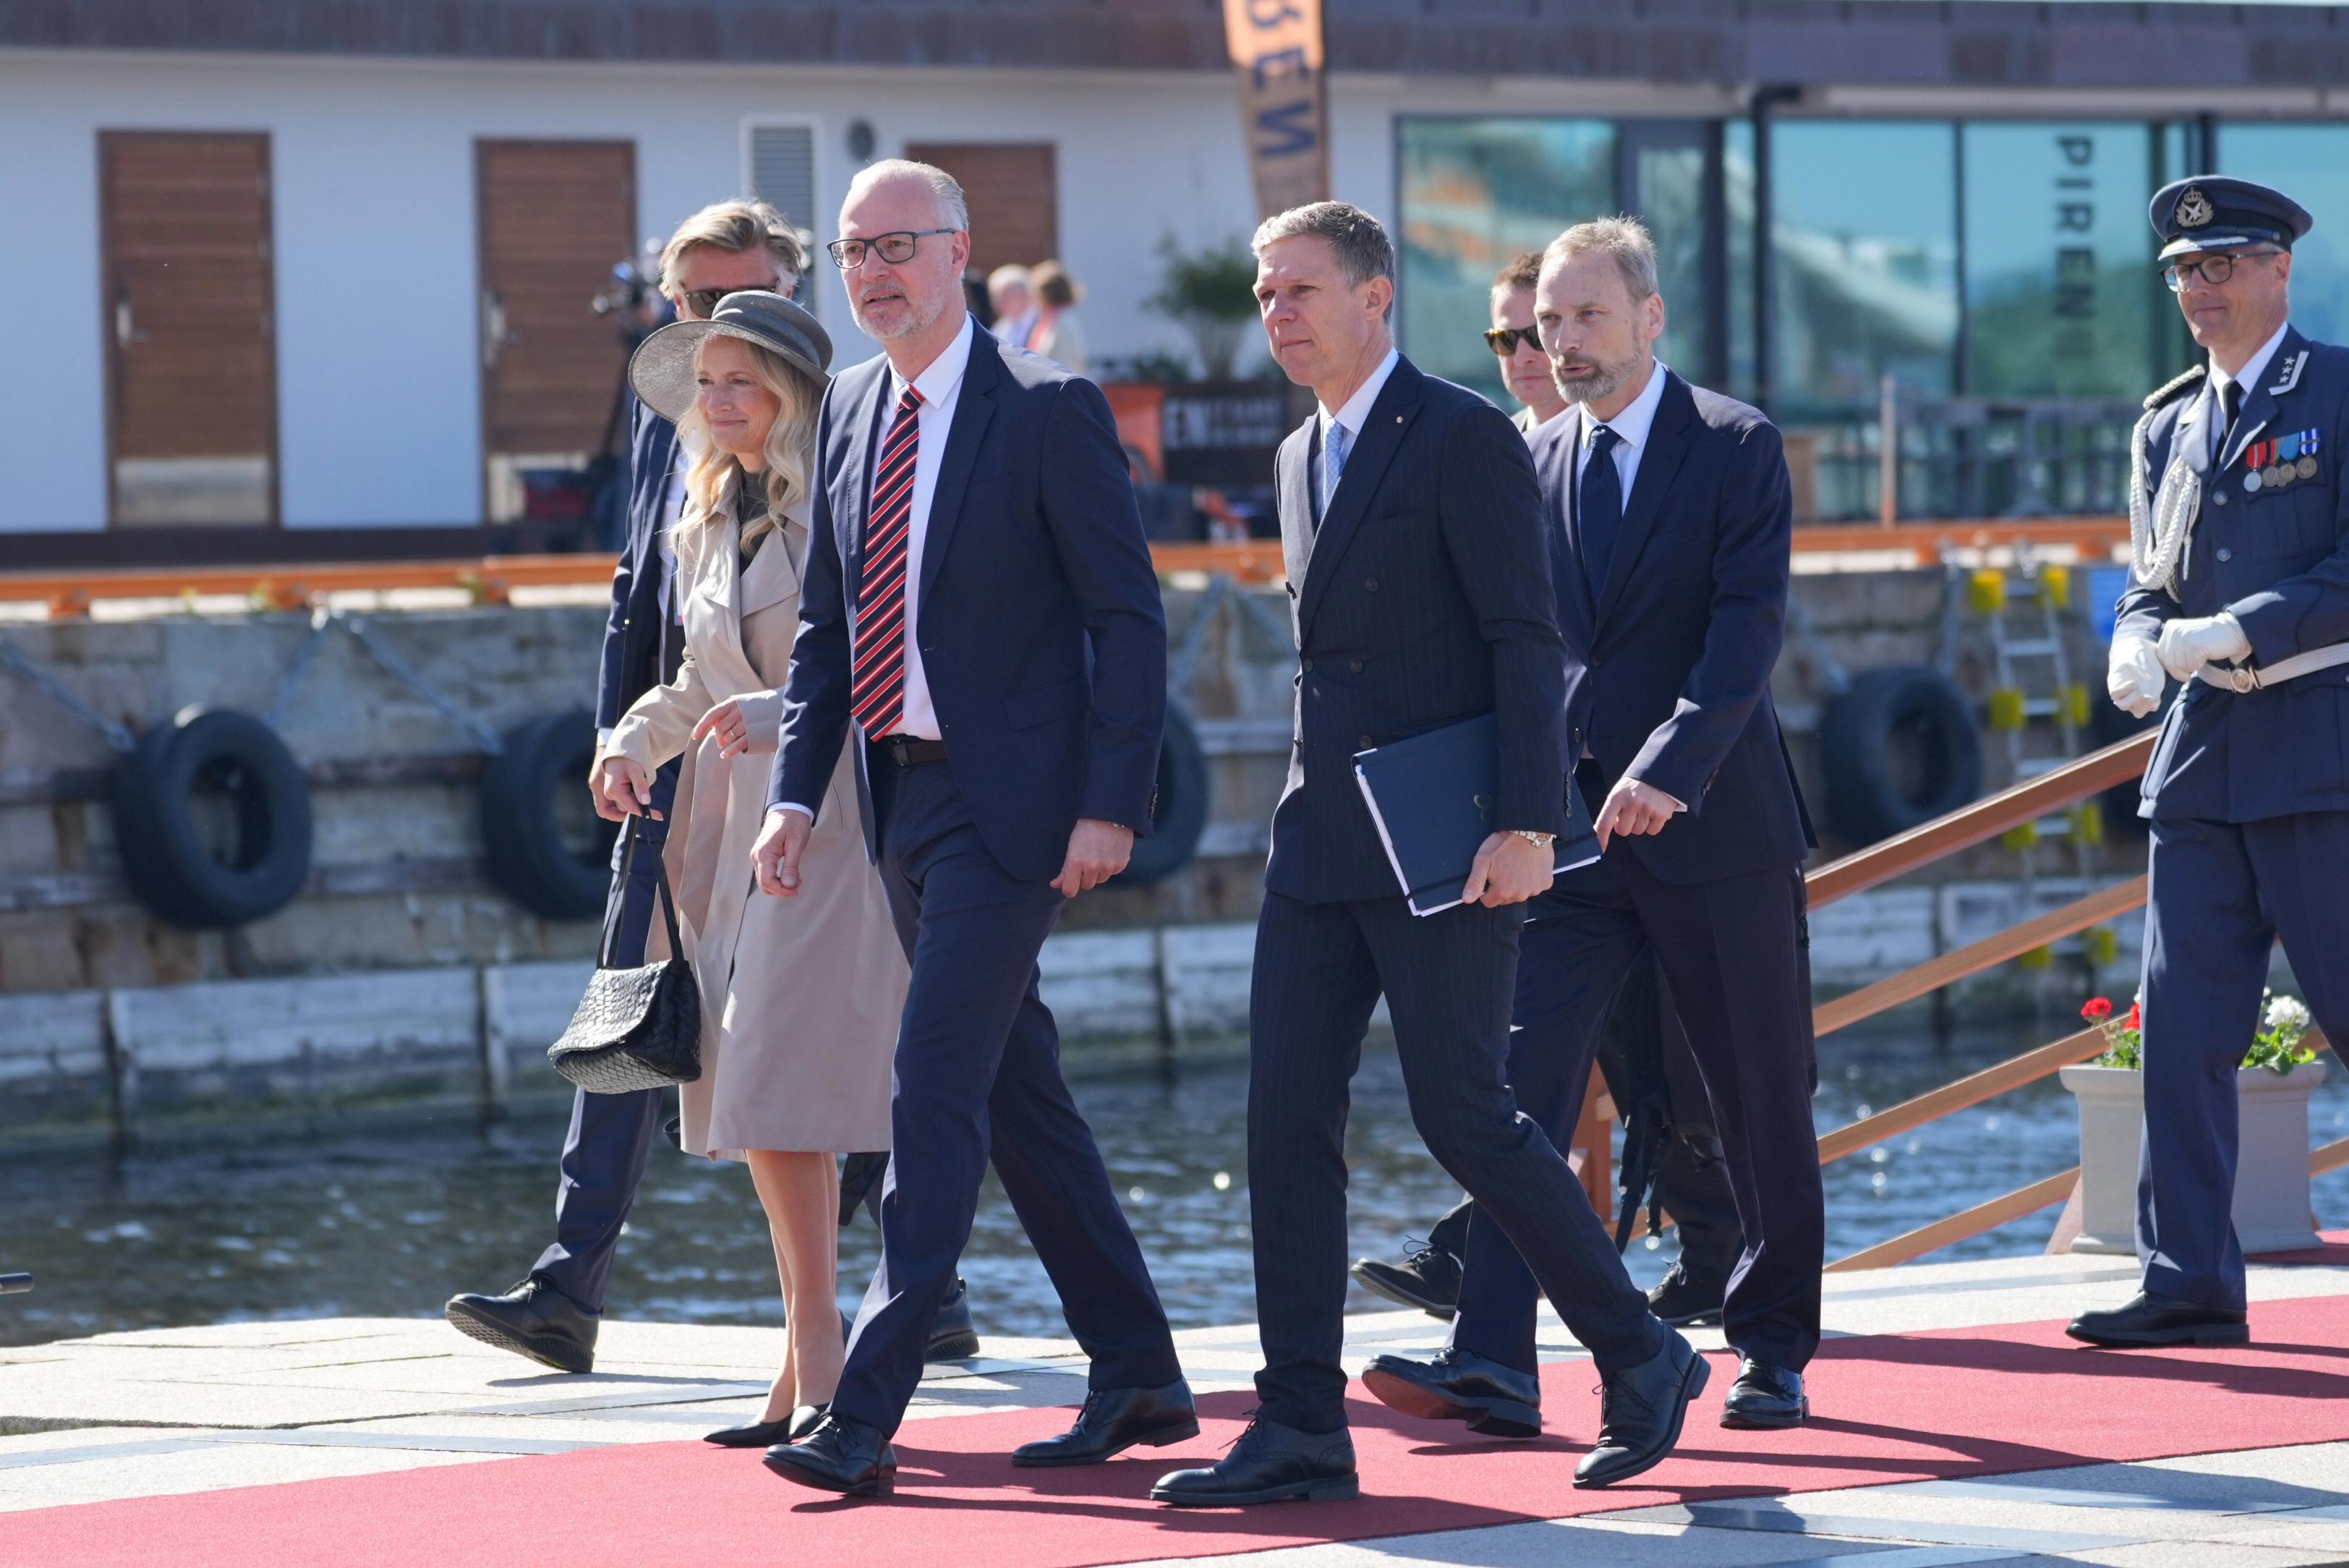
878	669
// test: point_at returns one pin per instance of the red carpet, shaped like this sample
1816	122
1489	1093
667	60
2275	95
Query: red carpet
1894	1408
2333	1250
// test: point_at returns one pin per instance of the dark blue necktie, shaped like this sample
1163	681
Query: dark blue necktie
1598	510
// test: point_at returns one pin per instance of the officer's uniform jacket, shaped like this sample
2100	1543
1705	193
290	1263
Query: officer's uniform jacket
2274	553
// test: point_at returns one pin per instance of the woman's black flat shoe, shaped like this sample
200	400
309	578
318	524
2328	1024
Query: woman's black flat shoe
767	1434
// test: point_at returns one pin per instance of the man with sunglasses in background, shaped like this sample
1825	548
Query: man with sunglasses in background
553	1314
2239	588
1525	368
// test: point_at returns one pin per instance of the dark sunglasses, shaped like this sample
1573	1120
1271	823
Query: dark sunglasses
1503	340
704	301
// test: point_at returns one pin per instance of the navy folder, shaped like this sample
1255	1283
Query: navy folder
1432	799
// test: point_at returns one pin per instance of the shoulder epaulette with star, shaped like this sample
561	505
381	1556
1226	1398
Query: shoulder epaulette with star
2169	389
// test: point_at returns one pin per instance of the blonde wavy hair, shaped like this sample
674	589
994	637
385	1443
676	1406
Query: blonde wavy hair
790	445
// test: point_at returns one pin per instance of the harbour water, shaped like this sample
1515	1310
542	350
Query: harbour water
390	1214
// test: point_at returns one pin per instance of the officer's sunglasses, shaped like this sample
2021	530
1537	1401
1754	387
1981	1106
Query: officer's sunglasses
704	301
2213	270
894	247
1503	340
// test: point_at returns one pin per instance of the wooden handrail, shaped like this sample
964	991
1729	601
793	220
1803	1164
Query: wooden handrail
1963	1095
1973	959
1957	1227
2328	1158
1985	819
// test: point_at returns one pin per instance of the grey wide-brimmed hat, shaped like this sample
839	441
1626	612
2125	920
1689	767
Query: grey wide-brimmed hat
662	368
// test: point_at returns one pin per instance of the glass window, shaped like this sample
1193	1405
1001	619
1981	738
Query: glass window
2310	164
1738	186
1668	175
2061	290
1865	259
1473	194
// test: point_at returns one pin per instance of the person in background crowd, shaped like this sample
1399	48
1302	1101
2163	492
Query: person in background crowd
1010	305
798	998
1525	368
2239	587
553	1314
1055	332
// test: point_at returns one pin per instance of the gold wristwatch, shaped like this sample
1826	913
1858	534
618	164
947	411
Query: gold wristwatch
1541	840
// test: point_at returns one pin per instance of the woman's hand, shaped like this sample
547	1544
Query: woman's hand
729	724
623	788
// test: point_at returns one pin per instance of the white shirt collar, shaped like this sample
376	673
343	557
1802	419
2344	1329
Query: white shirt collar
1632	425
1357	411
2254	367
943	375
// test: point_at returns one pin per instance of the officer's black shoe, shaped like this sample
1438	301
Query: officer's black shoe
1428	1278
954	1336
1113	1420
763	1434
2148	1319
1270	1463
1686	1297
1494	1398
1641	1412
1766	1396
533	1319
842	1455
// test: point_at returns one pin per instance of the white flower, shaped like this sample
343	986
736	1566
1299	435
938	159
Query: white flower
2288	1011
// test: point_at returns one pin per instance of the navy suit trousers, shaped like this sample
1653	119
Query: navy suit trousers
611	1136
979	1077
2222	893
1447	979
1736	971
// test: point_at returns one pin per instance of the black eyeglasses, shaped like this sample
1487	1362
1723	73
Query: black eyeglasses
896	246
2213	270
1503	340
704	301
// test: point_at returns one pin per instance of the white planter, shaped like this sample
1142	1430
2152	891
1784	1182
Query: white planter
2271	1212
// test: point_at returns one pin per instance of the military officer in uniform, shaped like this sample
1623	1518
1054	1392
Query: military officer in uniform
2238	587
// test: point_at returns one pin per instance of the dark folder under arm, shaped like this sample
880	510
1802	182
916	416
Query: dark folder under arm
1432	798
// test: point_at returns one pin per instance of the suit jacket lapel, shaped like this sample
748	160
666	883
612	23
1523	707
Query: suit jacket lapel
1293	471
1554	469
2191	440
851	490
2260	401
1382	435
1658	461
974	408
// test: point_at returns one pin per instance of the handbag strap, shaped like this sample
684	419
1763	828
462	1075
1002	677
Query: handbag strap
616	909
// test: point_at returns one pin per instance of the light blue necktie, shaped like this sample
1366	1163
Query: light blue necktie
1333	461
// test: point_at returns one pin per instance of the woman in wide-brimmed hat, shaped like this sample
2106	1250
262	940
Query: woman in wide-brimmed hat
800	996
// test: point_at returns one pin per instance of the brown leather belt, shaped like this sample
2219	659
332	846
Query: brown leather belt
910	750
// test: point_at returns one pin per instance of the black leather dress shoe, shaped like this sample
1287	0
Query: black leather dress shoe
2148	1319
533	1319
954	1336
1686	1297
1113	1420
1270	1463
1641	1412
1428	1278
1492	1397
765	1434
1766	1396
842	1455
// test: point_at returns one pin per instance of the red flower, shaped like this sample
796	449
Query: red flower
2098	1010
2135	1019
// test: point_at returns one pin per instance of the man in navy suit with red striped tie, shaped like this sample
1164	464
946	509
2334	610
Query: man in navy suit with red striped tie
981	615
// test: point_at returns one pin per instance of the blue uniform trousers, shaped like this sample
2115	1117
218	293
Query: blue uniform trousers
2220	895
979	1078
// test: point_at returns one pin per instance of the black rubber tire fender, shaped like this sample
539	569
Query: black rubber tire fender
523	847
1905	707
1180	812
165	855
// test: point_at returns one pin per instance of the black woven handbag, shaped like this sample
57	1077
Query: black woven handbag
635	1028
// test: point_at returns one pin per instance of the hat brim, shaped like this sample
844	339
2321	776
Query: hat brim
2193	243
661	369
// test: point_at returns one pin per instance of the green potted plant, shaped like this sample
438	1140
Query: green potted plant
2272	1087
1211	294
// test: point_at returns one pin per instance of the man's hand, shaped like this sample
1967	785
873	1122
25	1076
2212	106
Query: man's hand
782	839
621	789
1633	807
2188	645
1098	851
2132	676
726	722
1508	870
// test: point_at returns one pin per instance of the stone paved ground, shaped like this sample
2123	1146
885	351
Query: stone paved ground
191	1409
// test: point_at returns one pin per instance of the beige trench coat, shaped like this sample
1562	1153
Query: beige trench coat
800	997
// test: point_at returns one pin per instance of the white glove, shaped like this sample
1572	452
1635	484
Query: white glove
2188	645
2133	676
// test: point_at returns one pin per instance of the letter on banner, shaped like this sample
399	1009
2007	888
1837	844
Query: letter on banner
1276	48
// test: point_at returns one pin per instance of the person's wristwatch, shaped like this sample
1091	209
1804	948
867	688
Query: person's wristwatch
1539	840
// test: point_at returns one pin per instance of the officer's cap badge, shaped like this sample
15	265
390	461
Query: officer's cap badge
2194	208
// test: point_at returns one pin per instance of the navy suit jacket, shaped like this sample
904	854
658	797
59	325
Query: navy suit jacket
1668	672
2277	558
638	654
1040	630
1423	598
